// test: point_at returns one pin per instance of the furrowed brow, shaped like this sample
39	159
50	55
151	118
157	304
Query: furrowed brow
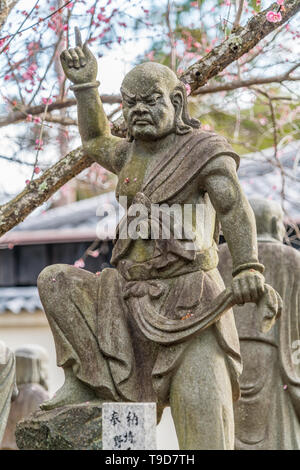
127	95
151	92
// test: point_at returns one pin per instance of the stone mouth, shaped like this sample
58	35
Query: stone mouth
141	122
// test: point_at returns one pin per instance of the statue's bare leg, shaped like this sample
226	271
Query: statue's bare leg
201	397
72	392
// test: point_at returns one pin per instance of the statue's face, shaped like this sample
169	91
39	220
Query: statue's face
147	107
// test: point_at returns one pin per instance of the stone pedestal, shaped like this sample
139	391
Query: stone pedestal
72	427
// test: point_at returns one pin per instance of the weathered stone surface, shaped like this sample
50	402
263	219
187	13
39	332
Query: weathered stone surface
31	378
267	416
129	426
73	427
7	384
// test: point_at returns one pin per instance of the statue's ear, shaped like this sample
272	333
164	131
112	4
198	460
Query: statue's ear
177	100
183	122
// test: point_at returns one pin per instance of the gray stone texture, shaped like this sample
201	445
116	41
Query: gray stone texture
73	427
267	416
7	384
32	383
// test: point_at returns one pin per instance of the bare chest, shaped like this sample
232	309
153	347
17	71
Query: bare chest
134	174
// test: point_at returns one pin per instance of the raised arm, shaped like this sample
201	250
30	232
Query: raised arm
238	225
80	66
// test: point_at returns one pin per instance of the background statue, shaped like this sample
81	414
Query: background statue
32	383
138	332
8	390
268	414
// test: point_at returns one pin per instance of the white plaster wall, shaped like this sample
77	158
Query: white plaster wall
15	335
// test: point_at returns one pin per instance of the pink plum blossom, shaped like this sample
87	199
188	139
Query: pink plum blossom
188	88
273	17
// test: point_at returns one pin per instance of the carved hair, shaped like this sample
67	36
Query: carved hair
184	123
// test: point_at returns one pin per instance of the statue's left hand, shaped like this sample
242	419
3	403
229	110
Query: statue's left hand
248	286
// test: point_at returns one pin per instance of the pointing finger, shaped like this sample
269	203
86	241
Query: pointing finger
78	39
86	50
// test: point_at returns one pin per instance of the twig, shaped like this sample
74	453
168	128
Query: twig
15	160
275	139
47	68
237	20
171	37
12	36
238	44
246	83
22	114
41	135
41	20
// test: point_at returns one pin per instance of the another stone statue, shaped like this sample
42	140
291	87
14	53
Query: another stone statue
153	329
8	390
267	416
32	383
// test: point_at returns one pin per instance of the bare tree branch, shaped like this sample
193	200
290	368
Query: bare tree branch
238	43
238	15
39	190
62	120
171	37
245	83
22	114
15	160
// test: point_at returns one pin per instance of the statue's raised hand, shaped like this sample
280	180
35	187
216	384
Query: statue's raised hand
79	64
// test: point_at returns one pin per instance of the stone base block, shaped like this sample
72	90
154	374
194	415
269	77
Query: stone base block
72	427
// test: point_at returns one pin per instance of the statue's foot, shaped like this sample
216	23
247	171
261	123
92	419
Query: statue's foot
72	392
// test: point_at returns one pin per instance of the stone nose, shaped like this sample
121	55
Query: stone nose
140	108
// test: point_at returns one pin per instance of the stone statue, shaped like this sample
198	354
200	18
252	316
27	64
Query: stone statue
140	332
8	390
32	383
267	416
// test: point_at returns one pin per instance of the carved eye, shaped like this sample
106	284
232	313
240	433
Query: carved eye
129	103
151	102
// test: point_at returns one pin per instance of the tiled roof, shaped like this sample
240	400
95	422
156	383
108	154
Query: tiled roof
78	215
78	221
16	299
